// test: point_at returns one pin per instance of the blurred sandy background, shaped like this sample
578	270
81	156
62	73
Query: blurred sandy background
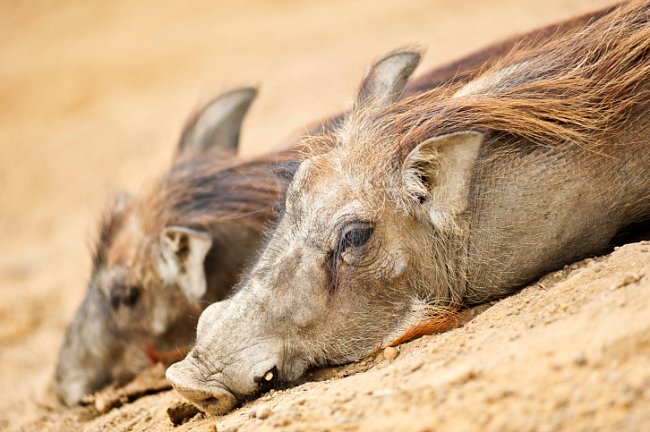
93	96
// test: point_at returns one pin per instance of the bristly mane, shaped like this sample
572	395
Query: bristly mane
576	89
472	65
206	189
579	89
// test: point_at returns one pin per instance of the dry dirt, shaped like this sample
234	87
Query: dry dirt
92	97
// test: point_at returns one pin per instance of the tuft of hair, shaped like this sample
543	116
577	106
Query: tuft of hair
429	319
578	88
201	191
109	223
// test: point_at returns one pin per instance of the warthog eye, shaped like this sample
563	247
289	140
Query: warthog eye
127	295
355	235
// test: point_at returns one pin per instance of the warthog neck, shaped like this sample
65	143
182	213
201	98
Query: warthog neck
537	209
233	247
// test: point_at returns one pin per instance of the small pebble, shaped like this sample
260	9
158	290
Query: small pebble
286	421
417	366
630	279
579	358
263	412
390	353
102	404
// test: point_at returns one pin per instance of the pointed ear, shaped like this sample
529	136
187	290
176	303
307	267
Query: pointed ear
182	255
386	80
218	124
438	172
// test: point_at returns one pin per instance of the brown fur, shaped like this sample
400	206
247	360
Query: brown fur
579	88
468	67
440	321
212	192
203	192
463	70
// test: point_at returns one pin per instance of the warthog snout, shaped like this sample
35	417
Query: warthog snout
213	399
225	368
219	394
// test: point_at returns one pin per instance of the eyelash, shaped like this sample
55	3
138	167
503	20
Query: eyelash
356	237
346	241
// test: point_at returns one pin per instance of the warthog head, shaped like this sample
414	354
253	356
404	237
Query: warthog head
351	266
149	282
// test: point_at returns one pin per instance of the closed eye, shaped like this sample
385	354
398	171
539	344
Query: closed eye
123	294
353	235
356	236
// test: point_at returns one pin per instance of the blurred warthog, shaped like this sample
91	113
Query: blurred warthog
164	255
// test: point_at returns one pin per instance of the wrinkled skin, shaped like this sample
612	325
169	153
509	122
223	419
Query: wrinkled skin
294	310
339	257
156	265
370	247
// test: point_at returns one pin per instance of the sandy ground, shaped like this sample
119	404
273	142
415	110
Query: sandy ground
569	352
92	98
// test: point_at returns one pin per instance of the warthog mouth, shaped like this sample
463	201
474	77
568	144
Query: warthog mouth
212	399
220	402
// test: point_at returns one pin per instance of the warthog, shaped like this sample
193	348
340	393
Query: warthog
208	211
165	255
452	197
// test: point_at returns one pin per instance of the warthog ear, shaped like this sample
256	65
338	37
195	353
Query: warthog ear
218	124
182	254
438	172
386	80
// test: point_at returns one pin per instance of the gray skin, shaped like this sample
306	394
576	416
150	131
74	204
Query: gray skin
356	261
150	280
